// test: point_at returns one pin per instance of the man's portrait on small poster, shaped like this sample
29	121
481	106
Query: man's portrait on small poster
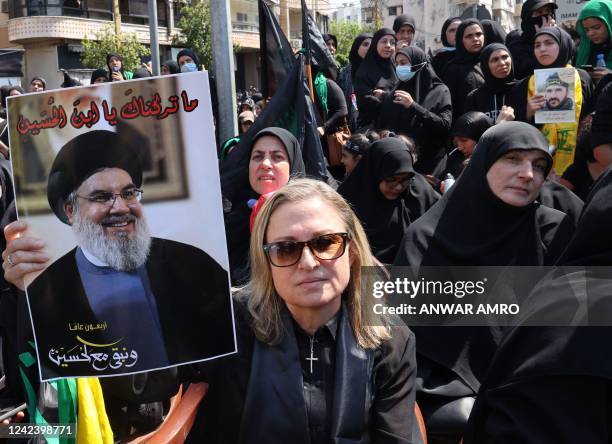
557	85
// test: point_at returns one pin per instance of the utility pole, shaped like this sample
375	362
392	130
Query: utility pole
223	68
284	17
377	16
154	36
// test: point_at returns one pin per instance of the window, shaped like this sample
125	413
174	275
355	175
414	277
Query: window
241	17
395	10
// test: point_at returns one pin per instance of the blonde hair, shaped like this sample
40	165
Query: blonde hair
265	304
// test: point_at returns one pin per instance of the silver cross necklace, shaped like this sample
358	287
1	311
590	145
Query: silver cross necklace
312	358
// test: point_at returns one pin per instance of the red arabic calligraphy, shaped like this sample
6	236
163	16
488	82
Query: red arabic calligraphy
136	107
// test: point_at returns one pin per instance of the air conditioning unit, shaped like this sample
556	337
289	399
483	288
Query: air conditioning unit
4	7
76	48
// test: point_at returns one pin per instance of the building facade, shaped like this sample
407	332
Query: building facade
348	12
431	14
51	31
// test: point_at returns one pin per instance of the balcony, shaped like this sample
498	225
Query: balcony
30	29
73	19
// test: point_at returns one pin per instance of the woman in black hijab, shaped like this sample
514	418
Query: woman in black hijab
519	96
525	101
169	67
521	46
419	107
387	195
376	76
488	218
558	372
447	52
405	28
475	225
466	133
494	32
242	188
359	49
462	74
116	70
99	76
492	97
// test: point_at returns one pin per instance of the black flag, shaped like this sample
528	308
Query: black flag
275	51
315	46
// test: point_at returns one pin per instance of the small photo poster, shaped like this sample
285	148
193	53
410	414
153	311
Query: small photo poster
557	85
120	181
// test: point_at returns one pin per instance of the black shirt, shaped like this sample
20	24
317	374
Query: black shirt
578	175
317	353
222	416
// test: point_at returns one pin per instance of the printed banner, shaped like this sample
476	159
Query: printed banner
120	181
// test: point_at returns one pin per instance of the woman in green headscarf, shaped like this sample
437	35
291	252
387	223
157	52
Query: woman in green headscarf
595	28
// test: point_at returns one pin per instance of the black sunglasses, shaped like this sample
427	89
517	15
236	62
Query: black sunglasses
325	247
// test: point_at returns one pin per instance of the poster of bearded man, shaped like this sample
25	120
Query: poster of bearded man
120	181
557	85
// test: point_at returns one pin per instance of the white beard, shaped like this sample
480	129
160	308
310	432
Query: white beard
123	253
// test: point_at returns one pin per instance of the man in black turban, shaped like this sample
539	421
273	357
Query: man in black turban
161	299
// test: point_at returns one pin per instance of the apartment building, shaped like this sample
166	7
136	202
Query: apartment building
51	30
348	12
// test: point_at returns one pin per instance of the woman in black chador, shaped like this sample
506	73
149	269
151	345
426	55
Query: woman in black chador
490	217
492	98
419	107
387	195
447	36
376	76
462	74
554	384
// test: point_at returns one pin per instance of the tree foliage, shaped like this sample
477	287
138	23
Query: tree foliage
196	31
105	41
345	32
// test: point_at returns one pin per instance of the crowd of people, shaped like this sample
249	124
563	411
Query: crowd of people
445	166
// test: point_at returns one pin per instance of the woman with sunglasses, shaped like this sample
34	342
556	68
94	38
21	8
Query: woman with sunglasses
311	366
419	106
375	77
387	195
